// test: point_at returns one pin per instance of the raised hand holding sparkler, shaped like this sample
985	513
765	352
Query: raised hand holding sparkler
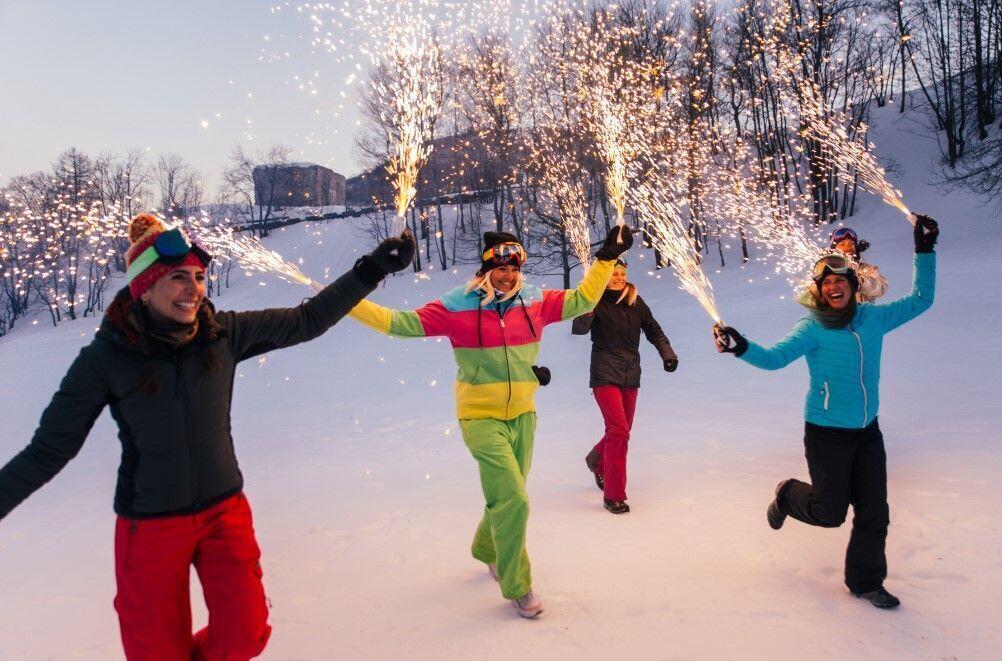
728	340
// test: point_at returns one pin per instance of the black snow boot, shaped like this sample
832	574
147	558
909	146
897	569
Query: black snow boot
775	513
616	506
591	461
880	598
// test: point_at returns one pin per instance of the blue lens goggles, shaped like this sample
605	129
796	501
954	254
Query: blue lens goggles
843	233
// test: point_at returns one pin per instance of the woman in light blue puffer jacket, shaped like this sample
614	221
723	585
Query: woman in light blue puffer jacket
842	342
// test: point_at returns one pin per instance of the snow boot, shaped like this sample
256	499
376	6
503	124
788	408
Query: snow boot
616	506
775	513
591	461
880	598
528	605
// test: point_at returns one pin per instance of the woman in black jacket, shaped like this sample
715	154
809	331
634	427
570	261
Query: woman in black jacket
164	360
615	327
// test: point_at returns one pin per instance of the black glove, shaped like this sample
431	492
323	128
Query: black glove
390	256
926	233
611	249
670	359
542	374
729	340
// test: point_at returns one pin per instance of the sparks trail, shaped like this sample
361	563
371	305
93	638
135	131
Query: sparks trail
224	243
840	150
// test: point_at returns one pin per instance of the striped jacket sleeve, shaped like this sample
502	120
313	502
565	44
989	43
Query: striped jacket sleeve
798	342
428	320
563	304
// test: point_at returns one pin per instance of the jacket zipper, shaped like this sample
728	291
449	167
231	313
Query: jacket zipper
180	391
507	363
862	384
828	394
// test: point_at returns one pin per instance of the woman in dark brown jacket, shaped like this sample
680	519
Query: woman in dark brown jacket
164	360
615	327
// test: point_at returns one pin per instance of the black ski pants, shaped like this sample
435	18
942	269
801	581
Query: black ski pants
847	466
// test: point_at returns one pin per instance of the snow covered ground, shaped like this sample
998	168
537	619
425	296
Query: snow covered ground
366	498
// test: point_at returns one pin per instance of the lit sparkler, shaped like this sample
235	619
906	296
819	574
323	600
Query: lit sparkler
850	154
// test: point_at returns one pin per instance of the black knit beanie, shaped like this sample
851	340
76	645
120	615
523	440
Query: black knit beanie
492	239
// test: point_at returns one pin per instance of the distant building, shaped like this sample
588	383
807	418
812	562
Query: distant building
297	185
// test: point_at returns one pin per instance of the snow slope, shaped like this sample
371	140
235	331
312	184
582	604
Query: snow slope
366	498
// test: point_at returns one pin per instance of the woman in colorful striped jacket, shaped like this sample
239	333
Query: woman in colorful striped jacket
495	323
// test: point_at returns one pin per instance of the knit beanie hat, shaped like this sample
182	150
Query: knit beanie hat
143	231
492	239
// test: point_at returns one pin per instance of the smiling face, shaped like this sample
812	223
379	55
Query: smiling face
846	246
836	291
178	295
504	278
618	280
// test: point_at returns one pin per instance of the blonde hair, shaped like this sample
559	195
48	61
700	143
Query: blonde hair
629	294
483	283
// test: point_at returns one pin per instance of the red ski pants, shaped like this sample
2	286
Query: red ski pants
153	558
617	405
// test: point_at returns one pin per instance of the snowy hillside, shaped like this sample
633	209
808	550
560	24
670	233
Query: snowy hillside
366	498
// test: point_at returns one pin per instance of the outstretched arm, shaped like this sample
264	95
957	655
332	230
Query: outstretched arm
260	331
65	423
798	342
923	291
563	304
428	320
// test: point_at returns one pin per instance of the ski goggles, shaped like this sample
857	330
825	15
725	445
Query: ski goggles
170	248
832	265
620	265
505	254
843	233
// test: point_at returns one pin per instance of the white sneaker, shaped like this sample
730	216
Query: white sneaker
492	567
528	605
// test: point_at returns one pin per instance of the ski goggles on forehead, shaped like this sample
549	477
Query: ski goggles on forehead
833	264
843	233
504	254
170	248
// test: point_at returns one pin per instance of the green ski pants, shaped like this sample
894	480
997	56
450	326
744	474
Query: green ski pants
503	449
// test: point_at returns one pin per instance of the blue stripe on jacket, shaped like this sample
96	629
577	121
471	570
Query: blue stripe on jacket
844	364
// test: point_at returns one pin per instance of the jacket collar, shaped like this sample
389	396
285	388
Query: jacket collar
117	327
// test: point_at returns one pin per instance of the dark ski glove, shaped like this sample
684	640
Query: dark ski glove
542	374
390	256
729	340
926	233
611	249
670	359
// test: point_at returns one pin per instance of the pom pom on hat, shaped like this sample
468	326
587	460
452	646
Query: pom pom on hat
143	230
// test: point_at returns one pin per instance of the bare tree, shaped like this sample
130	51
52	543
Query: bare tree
179	184
240	189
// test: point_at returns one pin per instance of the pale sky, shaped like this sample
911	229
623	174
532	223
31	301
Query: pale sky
107	75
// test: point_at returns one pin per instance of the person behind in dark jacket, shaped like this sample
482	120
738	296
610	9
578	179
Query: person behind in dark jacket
615	327
164	360
842	341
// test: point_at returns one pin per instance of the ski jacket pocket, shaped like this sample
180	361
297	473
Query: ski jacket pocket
826	391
